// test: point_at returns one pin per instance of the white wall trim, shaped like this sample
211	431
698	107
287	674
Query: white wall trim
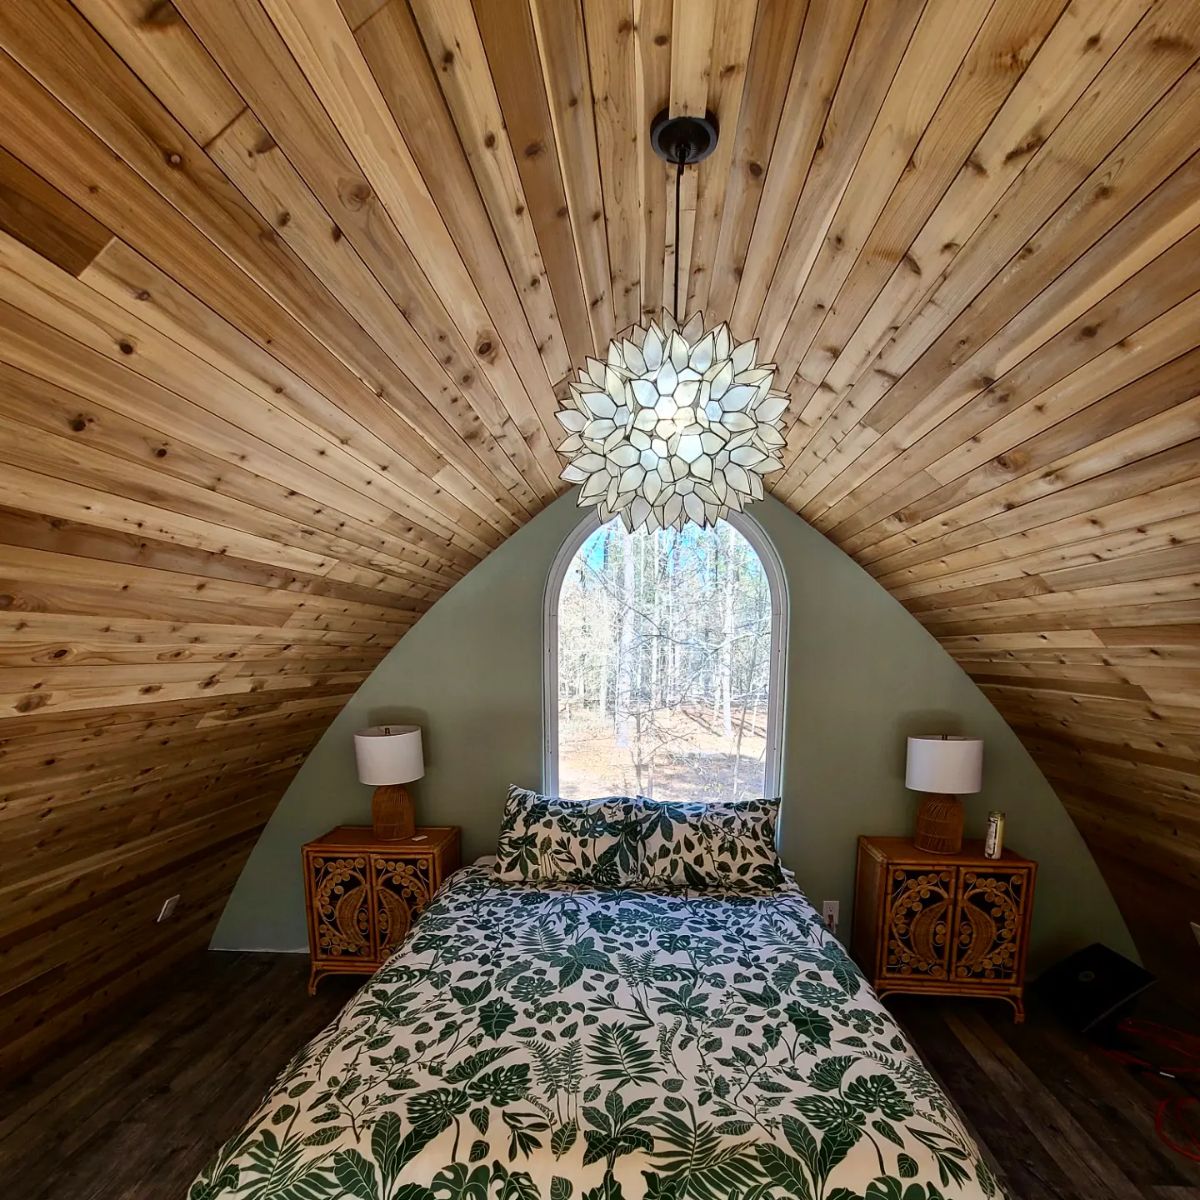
772	564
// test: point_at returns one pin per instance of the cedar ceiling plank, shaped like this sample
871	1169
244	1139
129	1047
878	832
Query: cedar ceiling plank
317	157
879	42
1151	456
1064	66
72	481
563	51
390	298
483	304
69	699
456	52
839	286
734	27
255	163
826	41
99	879
149	813
1072	613
115	346
359	12
136	285
26	344
652	43
111	870
844	197
52	730
214	209
691	70
1143	160
94	940
608	28
510	44
1109	552
773	47
58	412
1139	75
75	782
45	220
1140	509
39	531
1075	433
1069	232
152	37
38	567
1157	287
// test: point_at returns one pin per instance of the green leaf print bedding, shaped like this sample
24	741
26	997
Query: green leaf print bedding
566	1042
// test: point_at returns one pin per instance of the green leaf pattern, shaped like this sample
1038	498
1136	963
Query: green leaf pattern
705	1045
617	841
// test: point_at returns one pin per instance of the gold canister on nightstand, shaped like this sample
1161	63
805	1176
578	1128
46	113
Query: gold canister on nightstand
993	843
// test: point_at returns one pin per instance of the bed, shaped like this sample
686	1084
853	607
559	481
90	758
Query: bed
569	1042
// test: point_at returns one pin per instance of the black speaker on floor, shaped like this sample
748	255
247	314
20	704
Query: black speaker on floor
1092	988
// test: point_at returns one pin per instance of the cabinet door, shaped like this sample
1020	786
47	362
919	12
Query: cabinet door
989	925
340	912
402	888
918	913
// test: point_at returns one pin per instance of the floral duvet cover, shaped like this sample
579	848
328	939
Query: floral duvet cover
563	1042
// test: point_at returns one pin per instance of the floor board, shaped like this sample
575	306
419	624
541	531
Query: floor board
132	1112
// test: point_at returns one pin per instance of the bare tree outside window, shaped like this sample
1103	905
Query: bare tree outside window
664	648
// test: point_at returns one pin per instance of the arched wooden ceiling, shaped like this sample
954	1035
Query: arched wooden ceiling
288	291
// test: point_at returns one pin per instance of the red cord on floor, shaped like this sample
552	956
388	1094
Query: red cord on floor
1176	1118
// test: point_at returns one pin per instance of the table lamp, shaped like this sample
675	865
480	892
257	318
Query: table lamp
389	756
943	768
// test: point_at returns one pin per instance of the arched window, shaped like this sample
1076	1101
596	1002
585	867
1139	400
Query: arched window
664	657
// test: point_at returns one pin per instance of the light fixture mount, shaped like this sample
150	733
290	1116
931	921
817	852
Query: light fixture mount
683	141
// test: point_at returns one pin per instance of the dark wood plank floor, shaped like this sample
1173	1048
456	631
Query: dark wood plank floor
133	1112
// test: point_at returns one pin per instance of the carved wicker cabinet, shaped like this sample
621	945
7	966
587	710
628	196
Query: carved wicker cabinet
363	894
948	924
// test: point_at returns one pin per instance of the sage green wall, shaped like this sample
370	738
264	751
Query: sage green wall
862	675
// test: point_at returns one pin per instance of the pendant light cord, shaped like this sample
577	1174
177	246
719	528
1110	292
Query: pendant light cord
679	165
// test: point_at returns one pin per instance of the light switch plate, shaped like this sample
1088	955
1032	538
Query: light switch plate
830	911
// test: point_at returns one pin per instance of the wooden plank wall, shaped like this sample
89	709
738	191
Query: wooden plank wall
288	289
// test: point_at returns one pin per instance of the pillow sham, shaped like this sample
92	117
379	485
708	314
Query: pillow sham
568	841
725	844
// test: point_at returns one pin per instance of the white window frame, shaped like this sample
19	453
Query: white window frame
762	545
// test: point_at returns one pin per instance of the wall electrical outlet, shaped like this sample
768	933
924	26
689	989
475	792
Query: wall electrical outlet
168	908
830	911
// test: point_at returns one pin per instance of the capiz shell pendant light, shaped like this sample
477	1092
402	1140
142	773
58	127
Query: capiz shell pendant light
680	423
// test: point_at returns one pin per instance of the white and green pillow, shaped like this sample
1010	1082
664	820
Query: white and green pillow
544	838
717	844
621	841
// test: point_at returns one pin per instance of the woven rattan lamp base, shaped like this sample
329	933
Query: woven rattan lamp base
939	824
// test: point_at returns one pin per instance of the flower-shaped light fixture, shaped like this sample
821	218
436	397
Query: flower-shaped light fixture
678	425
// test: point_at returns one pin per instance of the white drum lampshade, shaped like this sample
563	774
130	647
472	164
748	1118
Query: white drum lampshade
389	756
943	768
948	765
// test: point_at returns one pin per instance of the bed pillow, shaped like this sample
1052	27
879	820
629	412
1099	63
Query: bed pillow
568	841
726	844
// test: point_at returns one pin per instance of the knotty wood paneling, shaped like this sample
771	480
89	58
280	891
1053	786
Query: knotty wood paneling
287	290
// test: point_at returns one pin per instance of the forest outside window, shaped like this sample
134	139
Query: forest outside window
664	663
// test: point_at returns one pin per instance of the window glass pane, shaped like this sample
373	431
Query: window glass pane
664	648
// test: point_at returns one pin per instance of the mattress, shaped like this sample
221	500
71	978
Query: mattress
563	1042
